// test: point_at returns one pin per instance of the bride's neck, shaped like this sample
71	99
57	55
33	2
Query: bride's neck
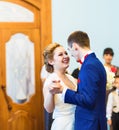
61	73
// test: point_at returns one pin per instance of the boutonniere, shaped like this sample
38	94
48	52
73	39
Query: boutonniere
79	80
113	69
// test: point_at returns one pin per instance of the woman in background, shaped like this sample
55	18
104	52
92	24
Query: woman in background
111	70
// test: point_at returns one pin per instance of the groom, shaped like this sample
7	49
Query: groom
89	98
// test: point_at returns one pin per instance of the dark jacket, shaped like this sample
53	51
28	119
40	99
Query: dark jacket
90	96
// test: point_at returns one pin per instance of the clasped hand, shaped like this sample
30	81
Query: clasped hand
55	87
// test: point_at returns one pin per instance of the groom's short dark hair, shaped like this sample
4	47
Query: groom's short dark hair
79	37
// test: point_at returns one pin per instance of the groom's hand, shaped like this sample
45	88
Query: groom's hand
55	87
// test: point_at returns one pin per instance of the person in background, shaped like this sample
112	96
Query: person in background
48	116
113	106
75	73
56	60
44	74
111	70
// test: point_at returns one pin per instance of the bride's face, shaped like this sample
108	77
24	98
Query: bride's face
60	59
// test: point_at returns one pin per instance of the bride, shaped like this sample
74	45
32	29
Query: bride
56	62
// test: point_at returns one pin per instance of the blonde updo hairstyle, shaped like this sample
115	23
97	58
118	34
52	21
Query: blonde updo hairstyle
48	55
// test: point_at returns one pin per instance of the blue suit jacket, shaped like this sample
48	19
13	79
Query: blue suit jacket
89	98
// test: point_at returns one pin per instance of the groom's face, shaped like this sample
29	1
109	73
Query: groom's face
74	51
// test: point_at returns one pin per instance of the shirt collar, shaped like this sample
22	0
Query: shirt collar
84	57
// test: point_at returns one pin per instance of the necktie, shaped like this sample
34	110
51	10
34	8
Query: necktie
84	59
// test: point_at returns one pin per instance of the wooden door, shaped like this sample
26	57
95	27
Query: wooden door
21	102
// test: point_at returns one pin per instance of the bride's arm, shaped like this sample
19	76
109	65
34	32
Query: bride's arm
48	99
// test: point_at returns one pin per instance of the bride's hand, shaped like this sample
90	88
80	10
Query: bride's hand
55	87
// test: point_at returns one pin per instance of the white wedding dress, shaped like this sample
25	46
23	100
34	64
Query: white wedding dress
63	114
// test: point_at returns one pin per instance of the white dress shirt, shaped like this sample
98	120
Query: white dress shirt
112	103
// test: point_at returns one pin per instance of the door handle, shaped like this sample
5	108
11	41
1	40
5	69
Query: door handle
6	98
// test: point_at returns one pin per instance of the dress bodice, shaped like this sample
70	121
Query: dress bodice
61	108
